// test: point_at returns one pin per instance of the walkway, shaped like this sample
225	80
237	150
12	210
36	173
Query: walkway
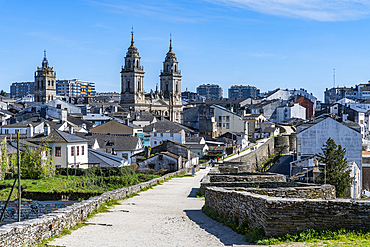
167	215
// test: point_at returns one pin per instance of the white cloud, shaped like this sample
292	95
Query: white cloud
319	10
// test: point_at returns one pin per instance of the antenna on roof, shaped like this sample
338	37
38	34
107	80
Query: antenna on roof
334	77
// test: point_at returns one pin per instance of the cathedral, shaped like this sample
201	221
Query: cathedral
45	82
166	101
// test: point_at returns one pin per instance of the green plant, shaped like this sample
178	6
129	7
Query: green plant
337	172
4	160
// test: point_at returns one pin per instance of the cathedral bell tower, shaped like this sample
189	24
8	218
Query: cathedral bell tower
170	77
132	77
45	82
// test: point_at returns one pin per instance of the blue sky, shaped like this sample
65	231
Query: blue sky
264	43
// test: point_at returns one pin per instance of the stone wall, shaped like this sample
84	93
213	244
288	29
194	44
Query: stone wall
32	232
257	177
277	215
278	189
259	156
234	167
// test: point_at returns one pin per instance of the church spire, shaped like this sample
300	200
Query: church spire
45	61
170	42
132	37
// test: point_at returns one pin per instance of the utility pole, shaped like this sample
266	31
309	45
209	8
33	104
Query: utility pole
19	180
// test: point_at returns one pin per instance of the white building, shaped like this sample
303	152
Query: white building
290	111
311	138
66	148
229	121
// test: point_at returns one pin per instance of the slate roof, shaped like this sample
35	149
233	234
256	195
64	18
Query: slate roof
196	146
166	126
79	122
193	139
104	159
58	136
118	142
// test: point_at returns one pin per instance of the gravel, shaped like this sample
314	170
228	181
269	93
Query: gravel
167	215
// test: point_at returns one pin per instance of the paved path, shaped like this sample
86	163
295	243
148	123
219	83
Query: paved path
167	215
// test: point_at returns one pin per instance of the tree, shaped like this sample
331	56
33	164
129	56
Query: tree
3	93
337	172
37	162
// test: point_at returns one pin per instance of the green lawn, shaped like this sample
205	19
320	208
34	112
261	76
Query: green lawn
95	184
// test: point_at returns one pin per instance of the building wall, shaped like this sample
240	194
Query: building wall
160	162
210	91
229	122
20	89
310	141
81	160
157	138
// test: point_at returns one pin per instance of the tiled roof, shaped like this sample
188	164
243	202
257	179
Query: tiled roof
166	126
58	136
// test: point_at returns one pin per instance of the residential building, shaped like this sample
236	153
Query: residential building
243	92
97	118
75	88
229	121
61	104
313	135
119	145
210	91
253	122
45	82
103	159
289	111
188	97
197	145
116	128
306	103
67	149
201	118
265	107
166	130
20	89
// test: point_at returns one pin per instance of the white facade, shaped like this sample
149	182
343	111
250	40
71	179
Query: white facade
310	141
229	121
287	112
75	154
157	138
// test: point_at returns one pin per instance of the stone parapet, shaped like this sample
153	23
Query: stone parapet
278	215
32	232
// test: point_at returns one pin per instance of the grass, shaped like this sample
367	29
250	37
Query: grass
73	184
270	162
331	237
103	208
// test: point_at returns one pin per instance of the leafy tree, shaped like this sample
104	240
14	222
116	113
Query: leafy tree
37	162
337	172
3	93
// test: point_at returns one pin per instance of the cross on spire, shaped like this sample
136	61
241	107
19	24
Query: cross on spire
170	42
44	54
132	36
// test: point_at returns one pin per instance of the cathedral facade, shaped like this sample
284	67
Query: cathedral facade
165	101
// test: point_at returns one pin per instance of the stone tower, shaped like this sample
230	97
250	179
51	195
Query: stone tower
45	82
170	80
132	77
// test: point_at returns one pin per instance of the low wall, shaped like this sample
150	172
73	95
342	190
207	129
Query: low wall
234	167
278	189
277	215
32	232
247	177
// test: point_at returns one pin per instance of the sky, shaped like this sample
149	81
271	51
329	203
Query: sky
268	44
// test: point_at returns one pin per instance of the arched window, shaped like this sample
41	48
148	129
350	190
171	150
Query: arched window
128	86
52	83
129	64
177	88
49	83
166	87
137	63
175	68
168	67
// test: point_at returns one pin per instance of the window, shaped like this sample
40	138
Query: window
161	134
72	151
124	155
160	157
227	118
78	150
155	134
220	118
58	151
171	134
82	150
224	126
155	142
223	117
227	126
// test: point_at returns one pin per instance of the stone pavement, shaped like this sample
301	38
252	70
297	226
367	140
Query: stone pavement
167	215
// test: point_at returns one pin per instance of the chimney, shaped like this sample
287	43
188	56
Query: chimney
344	118
71	130
46	129
146	152
29	131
